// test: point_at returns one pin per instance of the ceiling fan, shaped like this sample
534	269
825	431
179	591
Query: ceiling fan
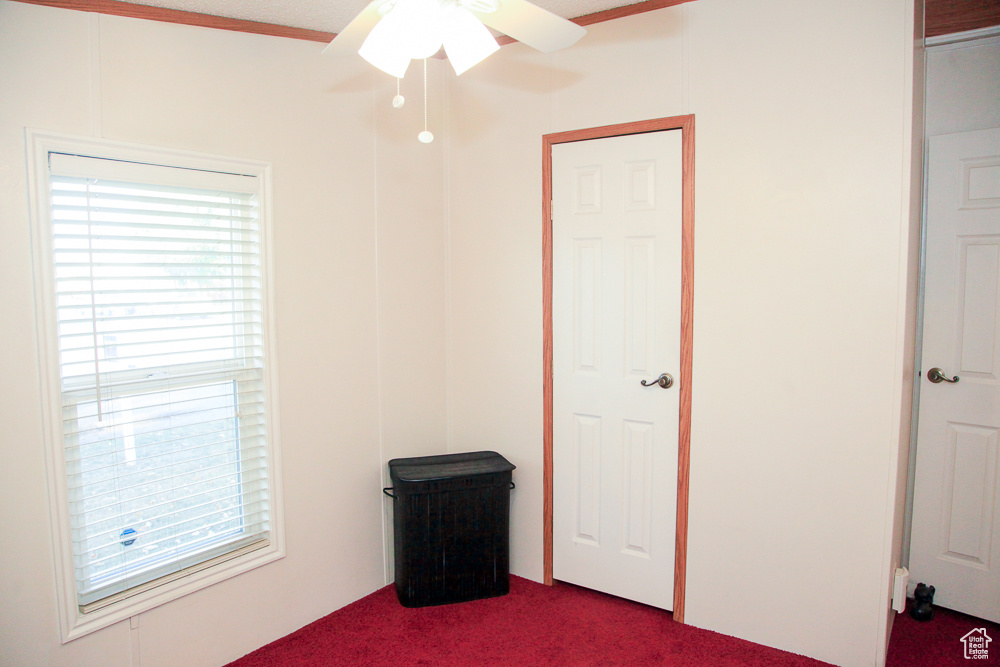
391	33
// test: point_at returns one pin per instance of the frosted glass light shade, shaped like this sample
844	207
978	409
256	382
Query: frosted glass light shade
381	52
420	26
466	40
410	30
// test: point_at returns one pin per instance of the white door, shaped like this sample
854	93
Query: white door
955	539
616	298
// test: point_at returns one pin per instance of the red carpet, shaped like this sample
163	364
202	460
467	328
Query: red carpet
533	625
567	625
937	642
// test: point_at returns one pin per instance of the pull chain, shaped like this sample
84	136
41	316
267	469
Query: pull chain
425	137
398	101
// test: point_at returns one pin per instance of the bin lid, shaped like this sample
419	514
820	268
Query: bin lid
445	466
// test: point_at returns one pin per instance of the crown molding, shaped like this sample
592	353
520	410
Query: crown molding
137	11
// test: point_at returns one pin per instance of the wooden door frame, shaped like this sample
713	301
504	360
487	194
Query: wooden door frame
686	125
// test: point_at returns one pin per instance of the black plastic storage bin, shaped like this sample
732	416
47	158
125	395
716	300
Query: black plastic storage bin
451	519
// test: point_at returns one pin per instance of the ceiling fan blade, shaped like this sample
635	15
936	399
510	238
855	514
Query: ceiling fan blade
532	25
350	39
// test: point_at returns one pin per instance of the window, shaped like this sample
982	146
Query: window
154	311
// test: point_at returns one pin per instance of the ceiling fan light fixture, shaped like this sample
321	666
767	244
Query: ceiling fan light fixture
391	33
466	40
381	50
410	30
420	26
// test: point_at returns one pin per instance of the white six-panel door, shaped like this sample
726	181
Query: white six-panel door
616	299
955	539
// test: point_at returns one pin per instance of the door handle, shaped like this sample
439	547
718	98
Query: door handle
936	375
666	380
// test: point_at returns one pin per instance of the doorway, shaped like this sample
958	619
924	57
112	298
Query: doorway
952	505
684	126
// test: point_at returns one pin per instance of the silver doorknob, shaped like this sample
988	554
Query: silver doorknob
666	380
936	375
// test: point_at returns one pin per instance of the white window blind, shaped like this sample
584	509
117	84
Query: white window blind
158	298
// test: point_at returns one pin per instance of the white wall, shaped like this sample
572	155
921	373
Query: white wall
803	134
359	277
409	296
411	260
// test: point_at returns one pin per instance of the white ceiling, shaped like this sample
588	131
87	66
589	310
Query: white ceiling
333	15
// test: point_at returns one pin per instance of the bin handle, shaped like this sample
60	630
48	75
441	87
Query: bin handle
512	486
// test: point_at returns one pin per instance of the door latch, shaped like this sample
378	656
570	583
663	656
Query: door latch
666	380
936	375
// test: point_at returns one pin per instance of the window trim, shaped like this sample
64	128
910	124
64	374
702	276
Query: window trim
72	622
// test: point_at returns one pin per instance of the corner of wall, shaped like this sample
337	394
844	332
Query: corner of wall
897	523
411	248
